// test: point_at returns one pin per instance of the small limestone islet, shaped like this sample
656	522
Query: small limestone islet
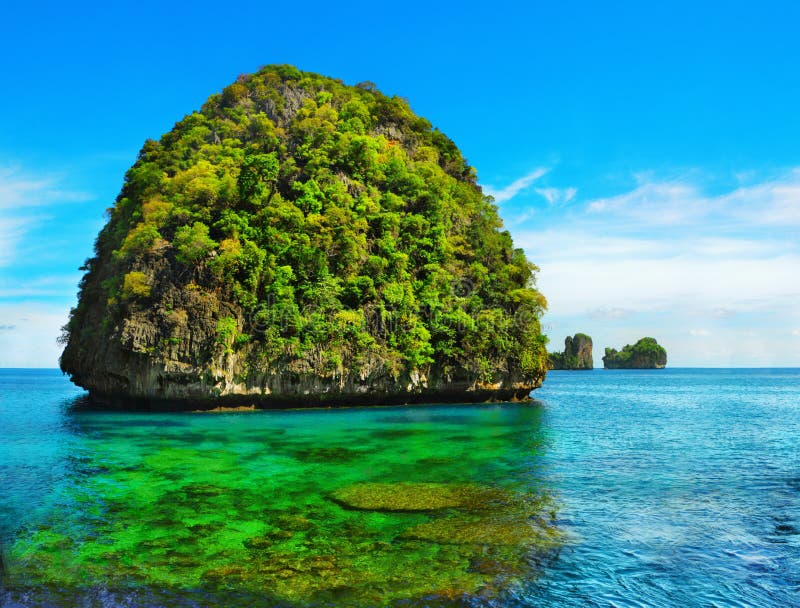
577	354
301	242
645	354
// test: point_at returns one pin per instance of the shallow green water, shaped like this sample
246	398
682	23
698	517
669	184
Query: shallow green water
220	508
671	488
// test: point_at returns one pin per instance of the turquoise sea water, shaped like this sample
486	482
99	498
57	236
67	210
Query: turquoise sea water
640	488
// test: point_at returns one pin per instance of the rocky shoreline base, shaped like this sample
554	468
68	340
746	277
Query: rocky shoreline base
243	403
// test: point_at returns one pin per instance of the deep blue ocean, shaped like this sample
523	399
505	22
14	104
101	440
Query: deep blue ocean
676	487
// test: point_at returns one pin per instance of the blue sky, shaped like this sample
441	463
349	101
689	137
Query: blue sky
644	155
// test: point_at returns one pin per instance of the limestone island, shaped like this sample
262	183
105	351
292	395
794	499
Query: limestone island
577	354
301	242
645	354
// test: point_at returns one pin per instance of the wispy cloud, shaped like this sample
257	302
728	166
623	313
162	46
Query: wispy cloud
519	218
46	286
722	313
774	202
20	189
11	231
502	195
22	197
668	258
606	313
661	203
556	196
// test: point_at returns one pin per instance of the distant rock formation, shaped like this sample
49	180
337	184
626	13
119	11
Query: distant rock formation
645	354
577	354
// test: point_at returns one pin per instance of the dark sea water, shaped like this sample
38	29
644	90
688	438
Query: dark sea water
614	488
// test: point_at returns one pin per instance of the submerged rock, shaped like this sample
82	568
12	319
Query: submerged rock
326	455
416	497
577	354
451	530
228	574
302	242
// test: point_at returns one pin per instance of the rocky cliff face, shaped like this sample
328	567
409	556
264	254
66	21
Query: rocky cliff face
645	354
577	354
302	242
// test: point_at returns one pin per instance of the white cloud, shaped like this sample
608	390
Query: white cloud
501	195
29	335
32	304
585	240
671	284
54	285
796	332
557	195
515	219
668	260
17	190
582	243
607	313
20	194
775	202
660	203
722	313
11	231
20	189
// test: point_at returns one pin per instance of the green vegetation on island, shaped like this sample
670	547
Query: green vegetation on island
302	240
577	354
645	354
